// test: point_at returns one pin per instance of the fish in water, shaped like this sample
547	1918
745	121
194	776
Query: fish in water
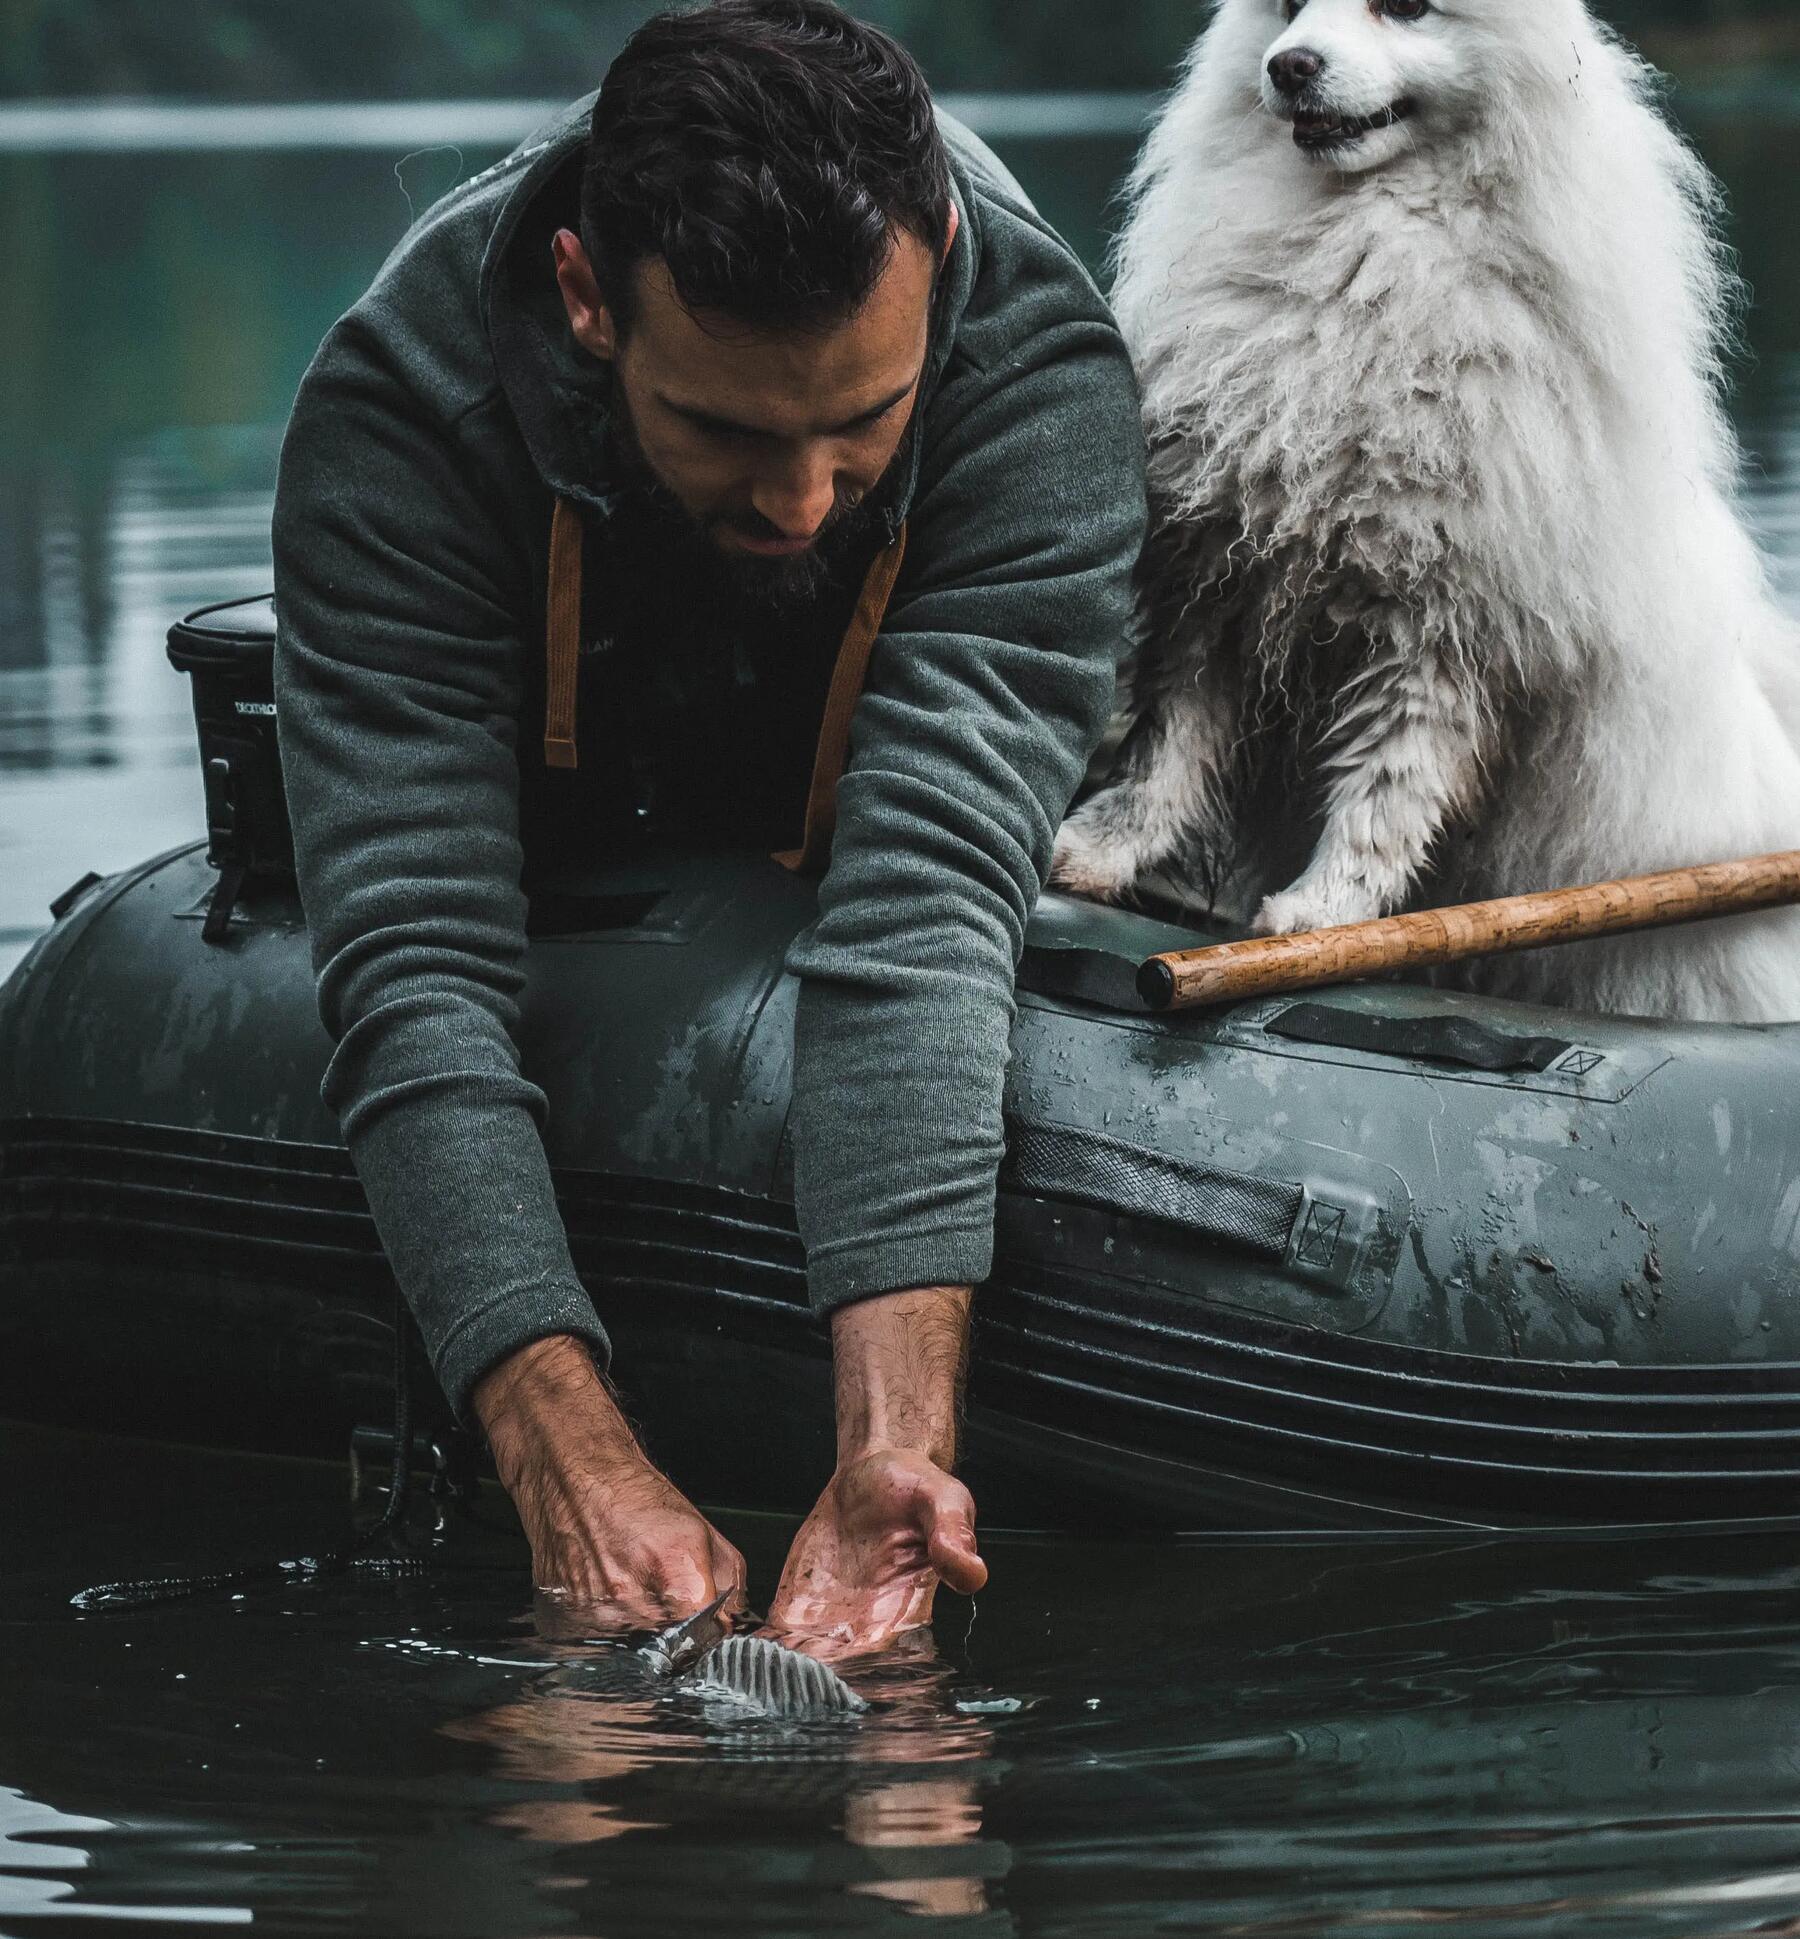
778	1682
703	1656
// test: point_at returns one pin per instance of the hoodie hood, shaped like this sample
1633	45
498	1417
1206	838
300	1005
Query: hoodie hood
559	394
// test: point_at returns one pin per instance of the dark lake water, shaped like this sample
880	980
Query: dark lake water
1228	1738
1493	1738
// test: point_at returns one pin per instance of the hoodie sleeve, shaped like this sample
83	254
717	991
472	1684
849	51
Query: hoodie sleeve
398	679
990	686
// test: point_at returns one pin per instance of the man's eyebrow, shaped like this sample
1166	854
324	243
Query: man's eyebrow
712	421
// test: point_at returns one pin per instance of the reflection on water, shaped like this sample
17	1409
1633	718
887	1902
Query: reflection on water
1498	1738
38	1850
902	1785
103	563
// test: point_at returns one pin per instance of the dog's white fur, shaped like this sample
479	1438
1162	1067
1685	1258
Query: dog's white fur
1446	584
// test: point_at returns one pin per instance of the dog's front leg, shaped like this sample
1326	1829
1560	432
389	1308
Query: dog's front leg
1403	757
1168	802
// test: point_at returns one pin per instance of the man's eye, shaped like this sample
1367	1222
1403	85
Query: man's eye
716	433
1404	9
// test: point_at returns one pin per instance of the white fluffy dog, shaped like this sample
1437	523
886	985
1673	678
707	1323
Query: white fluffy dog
1446	589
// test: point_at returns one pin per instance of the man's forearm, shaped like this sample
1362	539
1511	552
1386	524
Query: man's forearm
893	1521
899	1363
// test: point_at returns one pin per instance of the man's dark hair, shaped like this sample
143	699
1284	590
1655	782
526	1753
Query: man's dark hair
766	151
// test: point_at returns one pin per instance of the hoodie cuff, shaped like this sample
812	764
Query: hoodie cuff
853	1270
505	1325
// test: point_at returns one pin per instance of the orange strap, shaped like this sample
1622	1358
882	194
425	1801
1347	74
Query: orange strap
562	648
562	636
847	680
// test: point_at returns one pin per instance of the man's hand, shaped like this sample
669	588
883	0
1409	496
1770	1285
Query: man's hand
893	1521
865	1566
606	1529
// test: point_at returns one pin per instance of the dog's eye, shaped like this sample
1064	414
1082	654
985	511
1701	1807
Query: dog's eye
1403	9
1292	8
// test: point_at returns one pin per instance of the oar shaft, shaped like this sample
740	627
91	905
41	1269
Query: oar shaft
1271	965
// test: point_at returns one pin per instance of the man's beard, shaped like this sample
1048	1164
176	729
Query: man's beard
726	580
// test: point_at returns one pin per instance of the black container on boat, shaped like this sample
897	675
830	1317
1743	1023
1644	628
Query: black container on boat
229	653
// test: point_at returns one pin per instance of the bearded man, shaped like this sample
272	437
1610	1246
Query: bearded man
748	352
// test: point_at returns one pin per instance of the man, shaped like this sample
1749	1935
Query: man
757	337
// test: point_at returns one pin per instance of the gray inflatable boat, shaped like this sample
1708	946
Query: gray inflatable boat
1379	1257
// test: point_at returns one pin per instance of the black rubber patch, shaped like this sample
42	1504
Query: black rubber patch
72	895
1425	1040
1049	1161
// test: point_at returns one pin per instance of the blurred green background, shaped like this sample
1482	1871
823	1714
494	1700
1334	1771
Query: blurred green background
180	228
361	49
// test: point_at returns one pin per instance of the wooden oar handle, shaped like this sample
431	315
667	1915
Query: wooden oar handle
1187	979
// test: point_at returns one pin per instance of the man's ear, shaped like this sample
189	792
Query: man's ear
589	318
950	229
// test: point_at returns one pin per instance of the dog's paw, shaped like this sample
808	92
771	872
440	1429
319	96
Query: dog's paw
1087	866
1314	905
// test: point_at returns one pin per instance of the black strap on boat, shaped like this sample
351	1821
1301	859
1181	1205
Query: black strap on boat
224	899
1237	1208
1439	1039
363	1551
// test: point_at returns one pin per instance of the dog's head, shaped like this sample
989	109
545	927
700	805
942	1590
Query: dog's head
1359	83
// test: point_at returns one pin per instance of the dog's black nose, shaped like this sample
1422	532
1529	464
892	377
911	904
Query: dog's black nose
1294	68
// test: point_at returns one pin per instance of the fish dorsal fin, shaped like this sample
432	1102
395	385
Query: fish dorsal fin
778	1682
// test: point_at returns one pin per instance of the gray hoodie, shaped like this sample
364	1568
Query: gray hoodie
441	418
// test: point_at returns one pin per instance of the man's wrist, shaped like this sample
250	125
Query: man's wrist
898	1363
542	1389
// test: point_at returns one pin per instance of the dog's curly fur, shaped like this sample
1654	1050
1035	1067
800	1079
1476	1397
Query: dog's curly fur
1446	588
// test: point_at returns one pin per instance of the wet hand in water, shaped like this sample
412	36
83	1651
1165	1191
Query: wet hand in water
893	1521
610	1536
866	1564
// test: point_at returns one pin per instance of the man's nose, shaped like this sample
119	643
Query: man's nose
799	496
1295	69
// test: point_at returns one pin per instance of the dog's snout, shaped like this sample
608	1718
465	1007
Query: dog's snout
1295	68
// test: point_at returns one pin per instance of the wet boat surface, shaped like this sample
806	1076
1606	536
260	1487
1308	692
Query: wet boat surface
1380	1256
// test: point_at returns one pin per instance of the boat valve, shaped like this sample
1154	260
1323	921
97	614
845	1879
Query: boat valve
447	1456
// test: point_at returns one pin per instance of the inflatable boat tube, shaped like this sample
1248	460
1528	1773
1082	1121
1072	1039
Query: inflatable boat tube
1381	1257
